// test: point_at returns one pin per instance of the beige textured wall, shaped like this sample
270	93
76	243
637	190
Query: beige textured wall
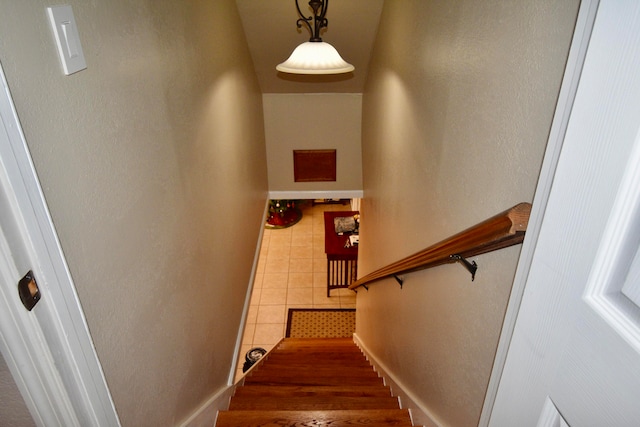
13	410
153	164
311	122
456	113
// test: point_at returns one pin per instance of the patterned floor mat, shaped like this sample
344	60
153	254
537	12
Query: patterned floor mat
321	323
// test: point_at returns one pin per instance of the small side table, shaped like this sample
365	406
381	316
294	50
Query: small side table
342	262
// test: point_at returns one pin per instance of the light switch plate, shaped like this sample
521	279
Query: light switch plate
67	38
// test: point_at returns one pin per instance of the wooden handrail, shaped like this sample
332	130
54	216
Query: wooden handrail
503	230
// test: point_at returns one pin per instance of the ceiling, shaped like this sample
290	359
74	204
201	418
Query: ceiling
270	28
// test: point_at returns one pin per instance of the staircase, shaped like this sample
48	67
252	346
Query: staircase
313	382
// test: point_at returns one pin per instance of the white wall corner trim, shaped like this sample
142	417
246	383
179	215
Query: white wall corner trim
419	414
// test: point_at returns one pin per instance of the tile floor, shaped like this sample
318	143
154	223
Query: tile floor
292	273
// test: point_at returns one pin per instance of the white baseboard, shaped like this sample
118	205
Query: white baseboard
295	195
205	416
247	298
419	415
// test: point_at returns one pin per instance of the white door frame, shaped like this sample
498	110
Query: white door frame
56	333
49	350
566	97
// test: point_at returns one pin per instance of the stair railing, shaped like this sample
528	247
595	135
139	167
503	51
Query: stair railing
500	231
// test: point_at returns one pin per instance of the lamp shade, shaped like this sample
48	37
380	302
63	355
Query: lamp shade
315	58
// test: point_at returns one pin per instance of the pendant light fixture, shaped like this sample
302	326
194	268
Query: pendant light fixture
315	56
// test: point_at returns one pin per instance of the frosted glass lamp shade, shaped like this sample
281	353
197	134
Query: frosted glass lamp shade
315	58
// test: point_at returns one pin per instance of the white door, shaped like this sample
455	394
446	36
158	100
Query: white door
574	357
48	350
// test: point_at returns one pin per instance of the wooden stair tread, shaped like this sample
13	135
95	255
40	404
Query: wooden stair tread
319	353
336	390
312	361
327	364
302	357
296	355
314	382
316	342
318	368
309	403
305	355
294	374
332	418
